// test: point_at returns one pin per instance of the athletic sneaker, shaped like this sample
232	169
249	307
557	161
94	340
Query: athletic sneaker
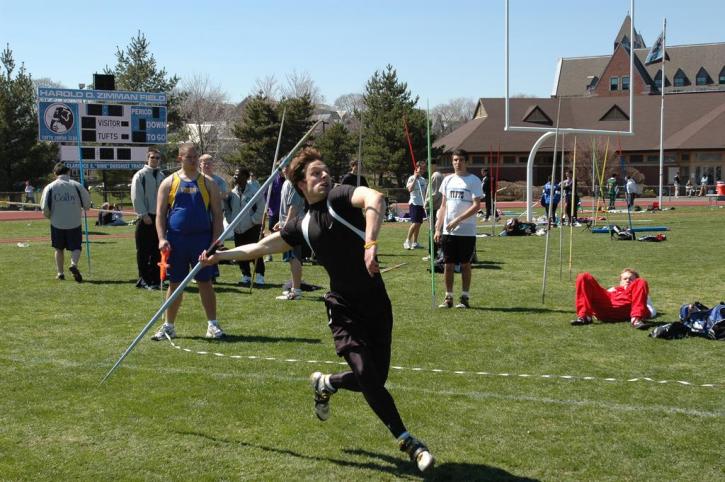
245	280
213	330
447	302
406	245
322	395
581	320
416	246
291	295
60	276
463	302
165	329
76	273
640	325
418	452
259	279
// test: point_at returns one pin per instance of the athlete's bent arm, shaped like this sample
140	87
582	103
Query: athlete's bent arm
465	215
269	245
373	204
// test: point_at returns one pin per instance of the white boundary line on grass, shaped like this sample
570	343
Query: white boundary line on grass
454	372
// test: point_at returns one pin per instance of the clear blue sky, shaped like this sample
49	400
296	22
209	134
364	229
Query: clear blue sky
442	49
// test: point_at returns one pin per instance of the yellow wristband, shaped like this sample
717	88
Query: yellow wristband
370	244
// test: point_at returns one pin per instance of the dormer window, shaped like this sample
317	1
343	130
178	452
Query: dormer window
625	82
613	84
703	78
681	79
658	80
722	76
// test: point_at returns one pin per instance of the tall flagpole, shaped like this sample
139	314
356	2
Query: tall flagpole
662	109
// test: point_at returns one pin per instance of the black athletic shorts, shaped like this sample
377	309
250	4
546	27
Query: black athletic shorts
458	249
70	239
417	213
368	323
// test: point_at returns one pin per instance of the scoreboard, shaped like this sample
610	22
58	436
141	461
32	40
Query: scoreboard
103	123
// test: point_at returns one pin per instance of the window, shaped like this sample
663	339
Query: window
635	158
653	158
709	156
722	76
509	159
625	82
658	80
613	83
681	79
702	78
685	157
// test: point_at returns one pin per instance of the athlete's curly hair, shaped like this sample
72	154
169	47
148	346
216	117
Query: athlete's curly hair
298	165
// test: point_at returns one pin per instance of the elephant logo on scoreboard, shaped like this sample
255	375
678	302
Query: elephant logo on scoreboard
59	118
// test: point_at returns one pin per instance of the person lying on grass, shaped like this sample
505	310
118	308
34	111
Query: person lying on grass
628	301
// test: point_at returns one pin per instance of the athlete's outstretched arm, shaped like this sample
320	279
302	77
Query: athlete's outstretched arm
269	245
373	204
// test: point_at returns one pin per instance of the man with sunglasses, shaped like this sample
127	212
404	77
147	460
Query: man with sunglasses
144	190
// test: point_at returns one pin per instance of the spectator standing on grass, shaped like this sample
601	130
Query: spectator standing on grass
350	178
632	190
291	209
629	301
206	166
456	226
189	219
568	188
676	185
612	190
248	228
416	186
488	193
342	227
144	189
62	202
436	179
29	193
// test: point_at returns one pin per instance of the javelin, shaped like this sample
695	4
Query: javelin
552	194
431	244
269	195
212	249
573	206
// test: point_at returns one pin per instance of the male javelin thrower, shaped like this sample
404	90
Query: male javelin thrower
344	239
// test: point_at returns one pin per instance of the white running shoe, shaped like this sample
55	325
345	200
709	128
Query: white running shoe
322	395
418	453
291	295
259	279
416	246
406	245
245	280
165	330
214	331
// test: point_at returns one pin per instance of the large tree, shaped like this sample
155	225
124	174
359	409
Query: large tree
136	70
22	157
387	103
337	146
450	116
259	128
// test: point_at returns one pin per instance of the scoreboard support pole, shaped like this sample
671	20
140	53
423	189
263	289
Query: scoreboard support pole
83	183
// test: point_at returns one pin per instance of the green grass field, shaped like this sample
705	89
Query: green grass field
504	391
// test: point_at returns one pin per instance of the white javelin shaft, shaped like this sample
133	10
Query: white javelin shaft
212	248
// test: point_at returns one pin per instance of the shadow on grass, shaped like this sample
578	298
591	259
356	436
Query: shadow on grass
253	339
485	266
518	309
445	470
396	466
110	281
